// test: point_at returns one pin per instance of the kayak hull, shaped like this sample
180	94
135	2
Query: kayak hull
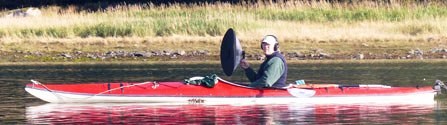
412	98
222	92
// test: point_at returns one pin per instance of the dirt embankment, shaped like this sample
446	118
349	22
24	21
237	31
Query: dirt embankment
199	55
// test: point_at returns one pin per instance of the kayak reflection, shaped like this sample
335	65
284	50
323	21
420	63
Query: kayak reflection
138	113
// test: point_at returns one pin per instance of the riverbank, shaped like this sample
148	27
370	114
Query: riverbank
306	30
190	51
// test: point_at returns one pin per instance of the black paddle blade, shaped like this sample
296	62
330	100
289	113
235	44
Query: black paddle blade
230	52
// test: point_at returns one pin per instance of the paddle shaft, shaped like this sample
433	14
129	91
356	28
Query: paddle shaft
243	54
338	86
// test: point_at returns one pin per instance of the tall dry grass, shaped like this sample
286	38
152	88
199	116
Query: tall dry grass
334	27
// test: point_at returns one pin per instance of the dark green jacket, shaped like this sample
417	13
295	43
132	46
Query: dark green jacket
273	70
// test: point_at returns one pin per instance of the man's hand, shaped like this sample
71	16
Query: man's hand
244	64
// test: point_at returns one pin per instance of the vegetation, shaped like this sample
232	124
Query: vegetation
214	19
336	28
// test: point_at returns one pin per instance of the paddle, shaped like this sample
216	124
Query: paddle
301	93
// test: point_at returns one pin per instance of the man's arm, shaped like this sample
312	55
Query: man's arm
251	74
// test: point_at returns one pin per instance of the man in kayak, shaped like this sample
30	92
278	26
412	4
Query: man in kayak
273	71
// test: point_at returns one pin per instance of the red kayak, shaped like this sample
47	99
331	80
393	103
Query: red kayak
222	92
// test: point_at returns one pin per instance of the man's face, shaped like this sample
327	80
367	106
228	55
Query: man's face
267	48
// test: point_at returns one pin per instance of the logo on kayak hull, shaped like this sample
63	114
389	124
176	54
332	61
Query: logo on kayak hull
196	100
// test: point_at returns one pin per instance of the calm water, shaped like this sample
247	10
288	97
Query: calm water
18	107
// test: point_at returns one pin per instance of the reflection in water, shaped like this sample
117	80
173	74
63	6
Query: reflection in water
137	113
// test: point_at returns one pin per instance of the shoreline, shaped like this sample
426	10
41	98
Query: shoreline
208	49
317	63
182	32
190	57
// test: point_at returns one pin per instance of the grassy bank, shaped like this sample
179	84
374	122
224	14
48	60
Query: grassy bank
304	27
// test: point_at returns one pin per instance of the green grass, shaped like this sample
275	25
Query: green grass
206	19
